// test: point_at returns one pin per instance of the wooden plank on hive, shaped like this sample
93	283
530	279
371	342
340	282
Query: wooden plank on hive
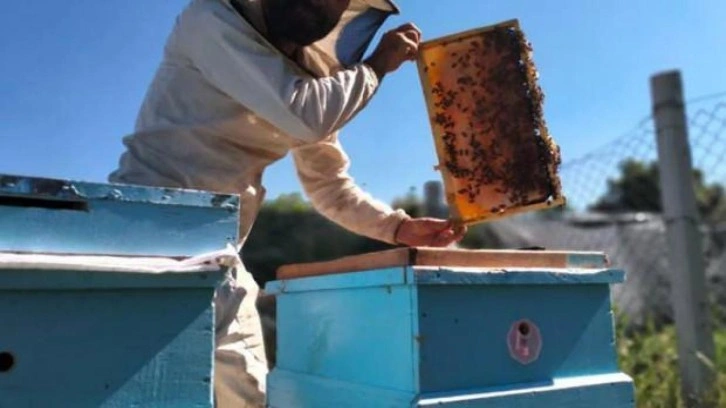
441	257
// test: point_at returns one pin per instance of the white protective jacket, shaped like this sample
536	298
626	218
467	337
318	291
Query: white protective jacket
225	104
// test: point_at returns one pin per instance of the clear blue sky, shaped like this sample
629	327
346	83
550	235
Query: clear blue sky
73	73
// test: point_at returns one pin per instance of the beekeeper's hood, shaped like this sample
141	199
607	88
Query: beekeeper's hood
347	43
349	40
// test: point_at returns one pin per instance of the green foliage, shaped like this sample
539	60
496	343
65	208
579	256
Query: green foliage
288	230
638	189
411	203
650	356
483	236
288	203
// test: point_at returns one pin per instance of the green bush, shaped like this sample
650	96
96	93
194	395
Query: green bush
287	230
650	356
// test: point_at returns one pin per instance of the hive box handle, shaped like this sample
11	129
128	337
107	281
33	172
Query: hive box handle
43	202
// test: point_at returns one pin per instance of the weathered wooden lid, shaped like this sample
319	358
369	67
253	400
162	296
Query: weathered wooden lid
452	258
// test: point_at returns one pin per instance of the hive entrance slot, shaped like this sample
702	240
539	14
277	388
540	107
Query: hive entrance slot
524	329
7	362
42	202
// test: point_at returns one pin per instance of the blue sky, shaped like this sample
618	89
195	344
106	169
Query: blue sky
72	76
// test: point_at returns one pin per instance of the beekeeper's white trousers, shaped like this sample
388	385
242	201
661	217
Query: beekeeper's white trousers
240	363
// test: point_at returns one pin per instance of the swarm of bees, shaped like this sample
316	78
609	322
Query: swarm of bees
495	153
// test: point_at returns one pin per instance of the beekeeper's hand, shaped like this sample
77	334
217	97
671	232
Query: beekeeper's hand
429	232
396	47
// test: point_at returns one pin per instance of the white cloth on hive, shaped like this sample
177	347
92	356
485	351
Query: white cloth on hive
213	261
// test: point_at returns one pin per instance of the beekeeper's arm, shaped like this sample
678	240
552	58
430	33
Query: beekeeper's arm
239	62
323	171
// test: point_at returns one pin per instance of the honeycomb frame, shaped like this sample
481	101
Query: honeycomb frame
485	164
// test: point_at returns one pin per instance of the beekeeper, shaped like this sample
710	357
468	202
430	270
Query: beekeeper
241	84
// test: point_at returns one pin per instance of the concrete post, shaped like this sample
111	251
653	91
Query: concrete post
434	205
689	297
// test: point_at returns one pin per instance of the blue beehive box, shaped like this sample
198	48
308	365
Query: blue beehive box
426	327
85	321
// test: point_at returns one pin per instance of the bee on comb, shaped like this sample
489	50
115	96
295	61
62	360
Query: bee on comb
495	154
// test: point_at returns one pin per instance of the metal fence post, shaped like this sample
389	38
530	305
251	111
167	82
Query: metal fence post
688	289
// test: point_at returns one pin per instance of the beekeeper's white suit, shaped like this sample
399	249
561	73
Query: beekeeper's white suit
224	105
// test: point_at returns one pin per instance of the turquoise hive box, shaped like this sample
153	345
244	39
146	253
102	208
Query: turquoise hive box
454	328
106	293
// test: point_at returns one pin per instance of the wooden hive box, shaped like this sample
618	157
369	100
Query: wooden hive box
427	327
495	153
85	320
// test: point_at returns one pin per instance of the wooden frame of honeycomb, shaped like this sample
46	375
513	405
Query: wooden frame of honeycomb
495	153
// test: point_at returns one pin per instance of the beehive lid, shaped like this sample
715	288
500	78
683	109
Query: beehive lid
433	266
448	258
495	154
54	216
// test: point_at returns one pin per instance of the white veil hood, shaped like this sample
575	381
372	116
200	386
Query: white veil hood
347	43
